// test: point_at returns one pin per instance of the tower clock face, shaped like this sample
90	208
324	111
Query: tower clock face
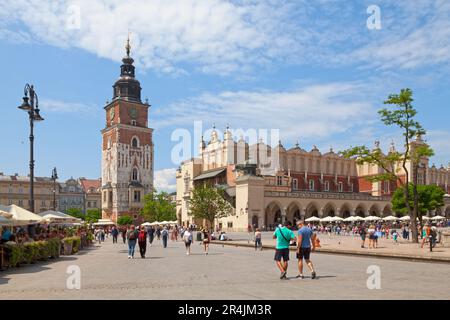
111	113
133	113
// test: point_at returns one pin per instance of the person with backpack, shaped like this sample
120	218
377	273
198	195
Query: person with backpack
188	240
142	242
284	235
165	236
132	236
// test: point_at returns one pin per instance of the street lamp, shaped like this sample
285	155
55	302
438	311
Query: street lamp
31	106
54	177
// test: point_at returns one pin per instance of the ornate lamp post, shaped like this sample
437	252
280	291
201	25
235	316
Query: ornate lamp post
30	105
54	177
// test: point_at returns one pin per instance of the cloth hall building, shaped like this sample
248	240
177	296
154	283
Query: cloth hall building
302	183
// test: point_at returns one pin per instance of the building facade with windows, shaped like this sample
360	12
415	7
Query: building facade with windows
15	189
92	189
71	196
267	185
127	149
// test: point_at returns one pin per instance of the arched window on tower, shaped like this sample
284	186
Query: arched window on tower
135	175
134	143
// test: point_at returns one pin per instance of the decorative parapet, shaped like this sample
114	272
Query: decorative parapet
326	195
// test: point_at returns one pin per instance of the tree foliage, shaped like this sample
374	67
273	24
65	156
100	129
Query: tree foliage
75	212
158	207
93	215
430	198
124	220
208	203
401	115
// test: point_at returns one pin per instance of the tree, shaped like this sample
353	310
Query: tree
75	212
93	215
429	198
403	117
124	220
208	203
158	207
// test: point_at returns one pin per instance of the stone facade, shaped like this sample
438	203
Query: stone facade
92	193
15	189
127	148
296	184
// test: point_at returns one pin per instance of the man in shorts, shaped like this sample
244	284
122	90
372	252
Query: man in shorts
283	236
306	238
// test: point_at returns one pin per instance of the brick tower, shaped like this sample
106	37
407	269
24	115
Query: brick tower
127	148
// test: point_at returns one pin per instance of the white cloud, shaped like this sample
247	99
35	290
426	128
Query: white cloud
58	106
318	111
165	180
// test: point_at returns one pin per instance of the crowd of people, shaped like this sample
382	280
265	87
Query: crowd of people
135	235
24	234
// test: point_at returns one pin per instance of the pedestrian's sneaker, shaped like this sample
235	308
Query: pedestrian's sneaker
129	257
313	275
283	276
300	276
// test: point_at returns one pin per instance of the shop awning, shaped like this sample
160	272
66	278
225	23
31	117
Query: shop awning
210	174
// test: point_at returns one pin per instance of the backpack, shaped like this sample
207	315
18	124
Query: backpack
142	236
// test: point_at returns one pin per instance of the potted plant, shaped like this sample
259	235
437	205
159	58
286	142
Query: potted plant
68	244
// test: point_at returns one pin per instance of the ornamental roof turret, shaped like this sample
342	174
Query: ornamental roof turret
127	86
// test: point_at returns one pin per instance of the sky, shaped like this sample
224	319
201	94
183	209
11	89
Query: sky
318	71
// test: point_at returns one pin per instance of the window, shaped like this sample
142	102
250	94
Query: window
386	187
311	185
133	122
89	204
110	196
20	203
341	187
95	204
104	196
109	143
135	216
10	190
420	179
230	224
327	185
135	175
294	184
351	187
279	181
137	196
20	190
43	203
10	202
134	143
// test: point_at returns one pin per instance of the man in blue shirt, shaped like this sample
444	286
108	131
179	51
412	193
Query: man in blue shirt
283	236
306	238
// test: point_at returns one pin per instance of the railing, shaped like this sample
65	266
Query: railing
326	195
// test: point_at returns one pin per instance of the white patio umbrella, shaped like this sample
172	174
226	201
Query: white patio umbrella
390	218
312	219
5	221
327	219
438	218
336	219
145	224
426	218
21	216
405	218
350	219
371	218
57	215
155	223
164	222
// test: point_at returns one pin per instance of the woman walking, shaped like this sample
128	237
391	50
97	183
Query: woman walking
158	233
188	239
206	239
132	236
165	236
142	242
151	235
258	243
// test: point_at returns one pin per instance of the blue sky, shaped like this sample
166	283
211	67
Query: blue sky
312	69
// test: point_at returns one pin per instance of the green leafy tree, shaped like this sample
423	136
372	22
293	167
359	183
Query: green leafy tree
93	215
208	203
402	116
158	207
75	212
430	197
124	220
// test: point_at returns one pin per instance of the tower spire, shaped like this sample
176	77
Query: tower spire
128	46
